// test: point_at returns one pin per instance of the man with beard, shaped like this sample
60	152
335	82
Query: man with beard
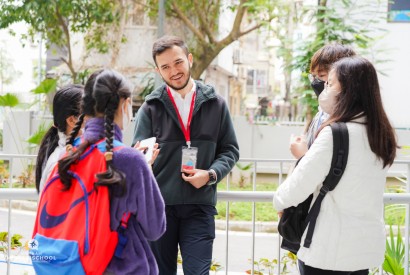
198	148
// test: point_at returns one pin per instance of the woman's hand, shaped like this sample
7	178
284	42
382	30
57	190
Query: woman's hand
143	149
298	146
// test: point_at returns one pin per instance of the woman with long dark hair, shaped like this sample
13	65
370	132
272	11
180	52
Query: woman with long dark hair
349	237
66	113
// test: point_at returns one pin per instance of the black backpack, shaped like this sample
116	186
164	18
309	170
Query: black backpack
294	220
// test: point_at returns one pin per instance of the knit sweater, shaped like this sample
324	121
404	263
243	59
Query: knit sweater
143	199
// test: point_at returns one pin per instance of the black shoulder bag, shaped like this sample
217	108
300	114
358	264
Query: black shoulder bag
294	220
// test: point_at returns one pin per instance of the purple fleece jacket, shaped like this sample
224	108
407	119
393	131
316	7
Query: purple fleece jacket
143	199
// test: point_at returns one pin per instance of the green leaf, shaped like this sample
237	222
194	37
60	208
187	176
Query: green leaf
394	255
9	100
46	86
37	137
3	236
244	167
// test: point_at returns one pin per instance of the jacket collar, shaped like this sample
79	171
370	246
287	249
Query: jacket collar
203	93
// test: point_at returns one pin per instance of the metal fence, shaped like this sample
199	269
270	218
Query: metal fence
236	196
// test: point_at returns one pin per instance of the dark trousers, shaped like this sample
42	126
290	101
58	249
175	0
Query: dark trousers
193	228
308	270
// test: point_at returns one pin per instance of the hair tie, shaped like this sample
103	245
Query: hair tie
68	148
108	156
54	126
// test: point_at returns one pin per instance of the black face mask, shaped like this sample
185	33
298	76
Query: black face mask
318	86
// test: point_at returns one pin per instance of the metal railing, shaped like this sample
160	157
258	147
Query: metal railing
235	196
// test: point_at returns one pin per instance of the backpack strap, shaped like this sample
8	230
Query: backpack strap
339	161
122	238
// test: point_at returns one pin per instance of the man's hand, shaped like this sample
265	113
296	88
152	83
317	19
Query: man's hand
298	146
196	177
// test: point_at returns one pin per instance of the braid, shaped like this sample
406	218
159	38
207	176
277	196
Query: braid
76	129
111	176
65	163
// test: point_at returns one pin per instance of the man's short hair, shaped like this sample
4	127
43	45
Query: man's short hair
323	58
166	42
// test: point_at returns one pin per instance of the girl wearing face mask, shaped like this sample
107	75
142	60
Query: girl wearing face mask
349	237
133	188
320	65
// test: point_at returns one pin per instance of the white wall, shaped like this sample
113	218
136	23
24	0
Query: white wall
393	47
395	87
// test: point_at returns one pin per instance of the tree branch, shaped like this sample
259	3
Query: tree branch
257	26
236	28
119	32
203	22
188	22
69	62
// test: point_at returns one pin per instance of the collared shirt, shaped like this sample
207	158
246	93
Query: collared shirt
184	104
314	126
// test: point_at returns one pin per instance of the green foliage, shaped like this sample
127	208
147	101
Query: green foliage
215	266
199	24
4	170
332	26
46	86
394	255
15	241
149	87
242	211
265	265
53	18
56	20
244	167
37	137
82	76
9	100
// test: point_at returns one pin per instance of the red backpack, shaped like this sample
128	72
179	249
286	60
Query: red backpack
72	232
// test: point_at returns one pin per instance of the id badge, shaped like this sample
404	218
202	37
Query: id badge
189	156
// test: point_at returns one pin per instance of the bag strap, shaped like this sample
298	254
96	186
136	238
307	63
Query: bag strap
339	161
122	238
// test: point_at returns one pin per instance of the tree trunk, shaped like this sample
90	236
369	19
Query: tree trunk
118	33
206	54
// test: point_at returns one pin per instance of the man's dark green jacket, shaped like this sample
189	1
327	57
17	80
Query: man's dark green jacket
211	132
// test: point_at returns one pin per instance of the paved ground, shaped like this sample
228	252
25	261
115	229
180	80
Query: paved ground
239	247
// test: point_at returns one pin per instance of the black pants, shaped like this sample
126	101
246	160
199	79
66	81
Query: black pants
308	270
193	228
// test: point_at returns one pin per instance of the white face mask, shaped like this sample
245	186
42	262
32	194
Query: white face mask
327	100
126	118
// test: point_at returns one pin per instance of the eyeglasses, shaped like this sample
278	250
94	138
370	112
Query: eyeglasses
314	77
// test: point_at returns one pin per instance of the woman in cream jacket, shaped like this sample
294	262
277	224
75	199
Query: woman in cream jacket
349	236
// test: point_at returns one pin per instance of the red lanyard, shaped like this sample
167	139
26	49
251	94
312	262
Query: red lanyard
187	130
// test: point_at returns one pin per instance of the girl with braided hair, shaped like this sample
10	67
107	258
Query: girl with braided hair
66	113
133	188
